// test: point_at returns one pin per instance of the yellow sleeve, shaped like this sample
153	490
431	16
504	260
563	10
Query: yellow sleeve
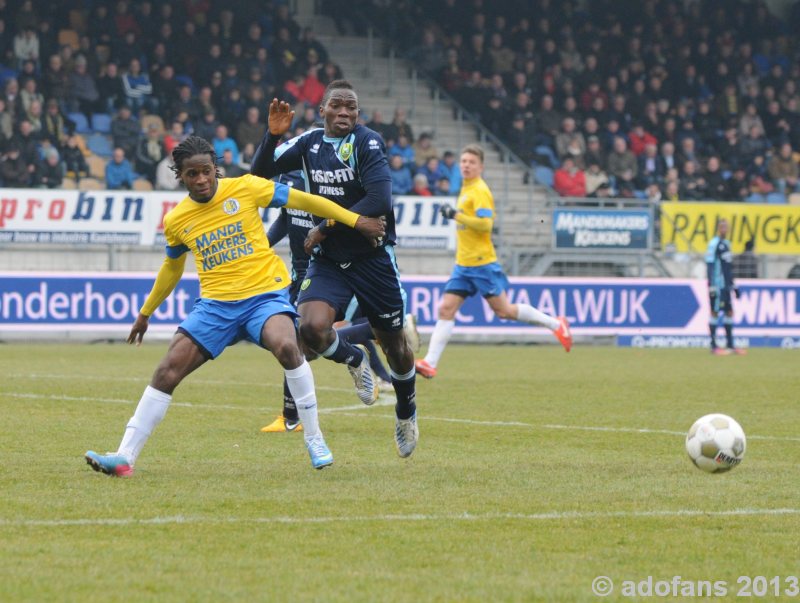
167	279
474	222
319	206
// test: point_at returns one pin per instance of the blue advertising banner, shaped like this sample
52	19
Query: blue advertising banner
631	309
601	228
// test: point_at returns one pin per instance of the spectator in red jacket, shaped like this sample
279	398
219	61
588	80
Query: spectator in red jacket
569	181
639	139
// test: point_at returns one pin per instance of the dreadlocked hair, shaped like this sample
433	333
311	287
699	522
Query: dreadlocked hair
336	85
193	145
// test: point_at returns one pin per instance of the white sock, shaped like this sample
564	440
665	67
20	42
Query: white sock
533	316
301	384
149	413
439	339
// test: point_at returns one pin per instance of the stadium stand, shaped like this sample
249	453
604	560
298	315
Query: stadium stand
510	71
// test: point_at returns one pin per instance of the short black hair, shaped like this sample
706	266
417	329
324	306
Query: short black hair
336	85
193	145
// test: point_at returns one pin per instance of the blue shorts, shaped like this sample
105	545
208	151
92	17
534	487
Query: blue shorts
374	281
214	325
488	280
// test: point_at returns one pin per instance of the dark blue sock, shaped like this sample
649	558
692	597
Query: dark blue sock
375	362
357	333
406	391
729	335
343	352
289	409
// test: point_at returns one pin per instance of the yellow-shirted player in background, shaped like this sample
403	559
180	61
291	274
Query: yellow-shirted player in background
476	270
243	292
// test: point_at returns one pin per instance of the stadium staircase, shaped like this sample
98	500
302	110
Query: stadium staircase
385	83
523	230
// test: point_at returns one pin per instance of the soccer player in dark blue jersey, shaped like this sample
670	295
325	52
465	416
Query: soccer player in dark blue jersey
296	224
346	163
719	266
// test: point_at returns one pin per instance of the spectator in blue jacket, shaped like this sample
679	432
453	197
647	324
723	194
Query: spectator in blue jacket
401	176
222	142
137	86
119	173
453	171
404	149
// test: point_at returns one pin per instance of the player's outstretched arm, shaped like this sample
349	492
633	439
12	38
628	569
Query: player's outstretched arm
372	228
167	279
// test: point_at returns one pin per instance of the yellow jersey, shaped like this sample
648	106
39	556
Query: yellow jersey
226	236
474	248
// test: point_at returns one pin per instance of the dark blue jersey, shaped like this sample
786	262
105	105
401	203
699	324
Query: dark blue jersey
351	171
295	223
719	264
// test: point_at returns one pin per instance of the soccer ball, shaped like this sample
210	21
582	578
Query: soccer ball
716	443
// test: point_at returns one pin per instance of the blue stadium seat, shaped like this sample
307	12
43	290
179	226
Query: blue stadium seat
546	151
100	144
183	79
101	122
81	123
776	198
543	175
6	74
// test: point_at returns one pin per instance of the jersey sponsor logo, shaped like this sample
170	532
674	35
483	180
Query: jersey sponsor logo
345	266
374	145
346	151
331	191
333	176
278	279
305	284
230	206
315	148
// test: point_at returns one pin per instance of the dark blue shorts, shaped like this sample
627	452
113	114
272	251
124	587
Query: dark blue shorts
721	302
213	325
374	281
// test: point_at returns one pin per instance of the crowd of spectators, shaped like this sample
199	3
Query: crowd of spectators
417	166
159	70
654	98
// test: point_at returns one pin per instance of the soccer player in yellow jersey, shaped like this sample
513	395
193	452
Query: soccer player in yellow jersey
476	270
243	292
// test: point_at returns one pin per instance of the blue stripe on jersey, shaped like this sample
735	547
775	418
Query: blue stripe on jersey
281	195
390	250
283	147
176	251
484	213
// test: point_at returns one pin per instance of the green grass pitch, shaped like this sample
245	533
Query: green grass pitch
536	472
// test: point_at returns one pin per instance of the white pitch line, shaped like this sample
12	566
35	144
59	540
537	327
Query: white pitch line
200	381
120	401
389	401
564	427
413	517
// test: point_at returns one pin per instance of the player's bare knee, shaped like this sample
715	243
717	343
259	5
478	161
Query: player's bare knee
287	353
166	378
314	334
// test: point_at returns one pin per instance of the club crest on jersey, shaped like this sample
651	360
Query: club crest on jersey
230	206
305	284
346	151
